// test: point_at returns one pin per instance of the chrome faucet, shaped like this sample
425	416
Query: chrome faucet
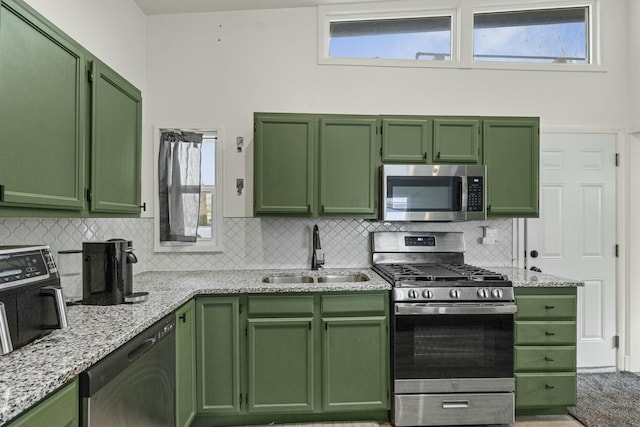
317	256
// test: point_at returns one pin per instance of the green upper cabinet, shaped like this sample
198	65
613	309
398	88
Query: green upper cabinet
116	142
42	111
186	364
72	127
315	165
284	164
406	140
348	166
511	152
456	140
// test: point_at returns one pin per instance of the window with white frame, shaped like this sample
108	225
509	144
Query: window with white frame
188	208
559	35
421	38
520	34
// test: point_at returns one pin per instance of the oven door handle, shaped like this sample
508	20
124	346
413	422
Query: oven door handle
431	309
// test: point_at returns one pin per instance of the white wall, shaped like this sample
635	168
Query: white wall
221	67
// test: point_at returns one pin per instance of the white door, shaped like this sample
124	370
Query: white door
575	236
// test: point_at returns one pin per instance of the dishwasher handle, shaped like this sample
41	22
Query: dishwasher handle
141	349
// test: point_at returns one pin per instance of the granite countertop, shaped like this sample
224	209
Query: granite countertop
30	373
527	278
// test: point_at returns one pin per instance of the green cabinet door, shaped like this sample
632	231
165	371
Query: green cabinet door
281	373
348	150
116	142
60	409
185	364
511	151
406	140
284	171
42	112
456	140
354	354
218	354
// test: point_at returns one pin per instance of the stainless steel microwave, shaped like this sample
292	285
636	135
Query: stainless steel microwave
433	192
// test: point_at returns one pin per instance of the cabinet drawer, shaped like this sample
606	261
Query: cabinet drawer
280	305
545	390
538	332
546	306
352	304
541	358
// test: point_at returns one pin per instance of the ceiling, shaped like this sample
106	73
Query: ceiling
165	7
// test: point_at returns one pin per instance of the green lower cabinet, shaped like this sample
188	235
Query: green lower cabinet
545	350
354	354
545	390
218	355
281	360
185	364
287	358
60	409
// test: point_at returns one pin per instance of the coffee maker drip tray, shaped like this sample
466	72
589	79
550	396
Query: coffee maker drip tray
136	297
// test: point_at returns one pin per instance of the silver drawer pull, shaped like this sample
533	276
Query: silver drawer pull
455	404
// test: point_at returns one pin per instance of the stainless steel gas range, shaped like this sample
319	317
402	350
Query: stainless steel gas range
452	334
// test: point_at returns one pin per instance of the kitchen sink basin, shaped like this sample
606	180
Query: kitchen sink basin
338	278
328	278
287	279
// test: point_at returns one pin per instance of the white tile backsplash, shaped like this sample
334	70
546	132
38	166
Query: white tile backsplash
253	243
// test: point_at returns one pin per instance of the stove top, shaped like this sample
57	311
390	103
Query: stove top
440	273
430	267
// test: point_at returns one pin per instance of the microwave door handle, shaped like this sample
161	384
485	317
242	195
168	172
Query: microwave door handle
6	346
461	200
58	300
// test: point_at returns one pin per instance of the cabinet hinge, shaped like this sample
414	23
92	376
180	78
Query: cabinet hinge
240	307
246	331
617	159
616	341
90	76
309	325
88	194
380	151
240	398
617	250
1	193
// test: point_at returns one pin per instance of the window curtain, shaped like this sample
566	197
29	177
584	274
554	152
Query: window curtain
179	185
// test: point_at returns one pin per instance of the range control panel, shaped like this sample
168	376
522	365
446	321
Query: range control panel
24	264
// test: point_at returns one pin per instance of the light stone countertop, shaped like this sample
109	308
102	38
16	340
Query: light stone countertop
527	278
30	373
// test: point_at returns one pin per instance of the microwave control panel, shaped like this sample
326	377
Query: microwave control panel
475	193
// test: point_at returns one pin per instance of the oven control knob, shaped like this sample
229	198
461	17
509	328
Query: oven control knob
483	293
454	293
428	293
496	293
413	294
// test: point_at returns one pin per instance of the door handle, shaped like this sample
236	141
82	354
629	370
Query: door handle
534	254
536	269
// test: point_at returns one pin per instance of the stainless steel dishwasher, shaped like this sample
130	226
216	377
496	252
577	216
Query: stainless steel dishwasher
134	385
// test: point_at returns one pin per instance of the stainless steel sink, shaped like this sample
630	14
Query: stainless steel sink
338	278
287	279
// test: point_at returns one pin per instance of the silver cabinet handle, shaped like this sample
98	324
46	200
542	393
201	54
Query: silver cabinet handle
455	404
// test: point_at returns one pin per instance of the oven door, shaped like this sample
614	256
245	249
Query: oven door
462	347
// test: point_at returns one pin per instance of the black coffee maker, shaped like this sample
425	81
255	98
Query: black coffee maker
107	273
